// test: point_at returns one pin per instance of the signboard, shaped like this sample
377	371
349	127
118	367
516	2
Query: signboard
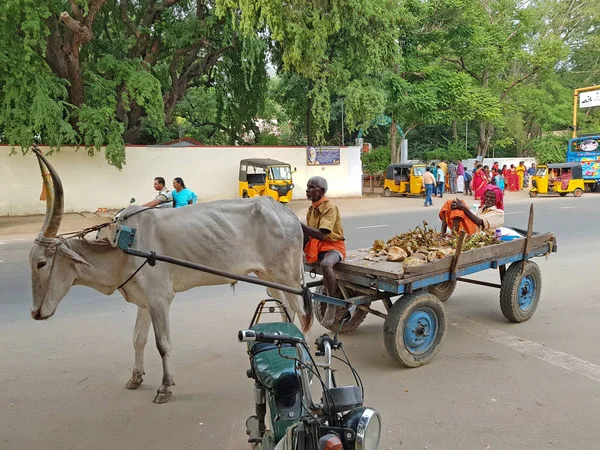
322	156
585	145
589	99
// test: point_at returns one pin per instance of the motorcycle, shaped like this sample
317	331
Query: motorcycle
283	369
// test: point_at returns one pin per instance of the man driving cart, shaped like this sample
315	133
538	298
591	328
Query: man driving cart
324	238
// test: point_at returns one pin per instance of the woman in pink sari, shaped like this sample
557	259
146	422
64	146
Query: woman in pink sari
480	181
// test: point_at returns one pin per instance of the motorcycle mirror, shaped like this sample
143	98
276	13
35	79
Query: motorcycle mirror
132	200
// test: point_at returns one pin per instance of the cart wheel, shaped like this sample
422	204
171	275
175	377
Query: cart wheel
532	194
563	194
520	292
358	317
578	192
387	192
414	329
443	291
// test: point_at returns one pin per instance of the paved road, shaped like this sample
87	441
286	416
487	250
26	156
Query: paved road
494	385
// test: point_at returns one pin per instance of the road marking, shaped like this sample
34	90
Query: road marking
372	226
514	212
568	207
12	240
549	355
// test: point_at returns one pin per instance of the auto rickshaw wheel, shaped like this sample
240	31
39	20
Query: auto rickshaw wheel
578	192
387	192
562	194
520	291
357	318
532	194
414	329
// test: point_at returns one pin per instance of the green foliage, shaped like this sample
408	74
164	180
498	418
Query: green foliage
376	160
549	149
268	140
453	152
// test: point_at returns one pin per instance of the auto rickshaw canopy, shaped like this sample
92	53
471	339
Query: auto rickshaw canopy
574	167
260	163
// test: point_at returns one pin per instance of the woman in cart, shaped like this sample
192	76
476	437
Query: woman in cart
488	217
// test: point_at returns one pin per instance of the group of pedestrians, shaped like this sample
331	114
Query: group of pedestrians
438	175
178	197
459	178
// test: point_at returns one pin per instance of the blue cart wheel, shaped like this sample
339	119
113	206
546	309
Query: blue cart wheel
414	329
520	291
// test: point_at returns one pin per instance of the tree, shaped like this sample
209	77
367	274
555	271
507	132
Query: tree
105	73
325	44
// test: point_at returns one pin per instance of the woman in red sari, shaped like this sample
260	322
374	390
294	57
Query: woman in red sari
480	182
513	179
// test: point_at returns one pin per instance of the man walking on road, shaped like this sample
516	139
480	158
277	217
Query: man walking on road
429	182
452	175
441	181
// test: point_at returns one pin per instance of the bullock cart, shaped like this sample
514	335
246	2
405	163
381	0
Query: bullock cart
412	297
414	317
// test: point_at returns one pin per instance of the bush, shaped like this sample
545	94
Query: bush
268	139
549	149
376	160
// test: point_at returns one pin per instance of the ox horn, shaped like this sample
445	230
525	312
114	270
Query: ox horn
54	196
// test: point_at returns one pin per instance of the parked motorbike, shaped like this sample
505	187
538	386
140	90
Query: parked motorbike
283	369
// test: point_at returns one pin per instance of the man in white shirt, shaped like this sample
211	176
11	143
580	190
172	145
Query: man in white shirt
164	199
441	179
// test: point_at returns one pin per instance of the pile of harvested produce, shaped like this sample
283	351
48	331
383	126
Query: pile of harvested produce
424	244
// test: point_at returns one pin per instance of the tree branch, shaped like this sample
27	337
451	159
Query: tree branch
77	12
461	63
125	16
520	80
93	8
81	32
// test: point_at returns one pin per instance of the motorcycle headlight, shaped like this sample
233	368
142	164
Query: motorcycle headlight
366	422
273	186
292	186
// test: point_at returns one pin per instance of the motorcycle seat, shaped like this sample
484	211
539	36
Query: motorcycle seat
269	366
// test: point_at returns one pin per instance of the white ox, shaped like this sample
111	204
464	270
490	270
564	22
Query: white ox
238	236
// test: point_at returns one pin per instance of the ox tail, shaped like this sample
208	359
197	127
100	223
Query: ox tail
308	309
306	299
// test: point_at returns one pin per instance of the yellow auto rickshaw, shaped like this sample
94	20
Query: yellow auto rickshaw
558	179
264	176
404	179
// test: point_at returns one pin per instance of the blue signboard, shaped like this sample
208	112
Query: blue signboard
322	156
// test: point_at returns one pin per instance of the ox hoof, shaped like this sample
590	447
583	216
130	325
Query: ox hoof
162	397
133	384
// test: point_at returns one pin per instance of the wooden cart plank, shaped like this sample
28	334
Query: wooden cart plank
356	264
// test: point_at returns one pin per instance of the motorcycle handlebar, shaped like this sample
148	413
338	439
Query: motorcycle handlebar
253	336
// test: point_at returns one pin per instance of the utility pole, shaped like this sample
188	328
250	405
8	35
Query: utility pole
342	121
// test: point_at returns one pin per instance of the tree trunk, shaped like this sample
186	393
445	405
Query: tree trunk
309	105
393	132
454	132
486	129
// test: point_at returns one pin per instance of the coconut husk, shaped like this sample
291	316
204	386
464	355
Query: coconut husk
378	245
413	262
396	254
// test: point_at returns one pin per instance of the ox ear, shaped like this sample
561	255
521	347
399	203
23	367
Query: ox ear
67	252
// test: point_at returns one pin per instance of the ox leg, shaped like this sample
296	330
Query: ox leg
140	337
159	312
